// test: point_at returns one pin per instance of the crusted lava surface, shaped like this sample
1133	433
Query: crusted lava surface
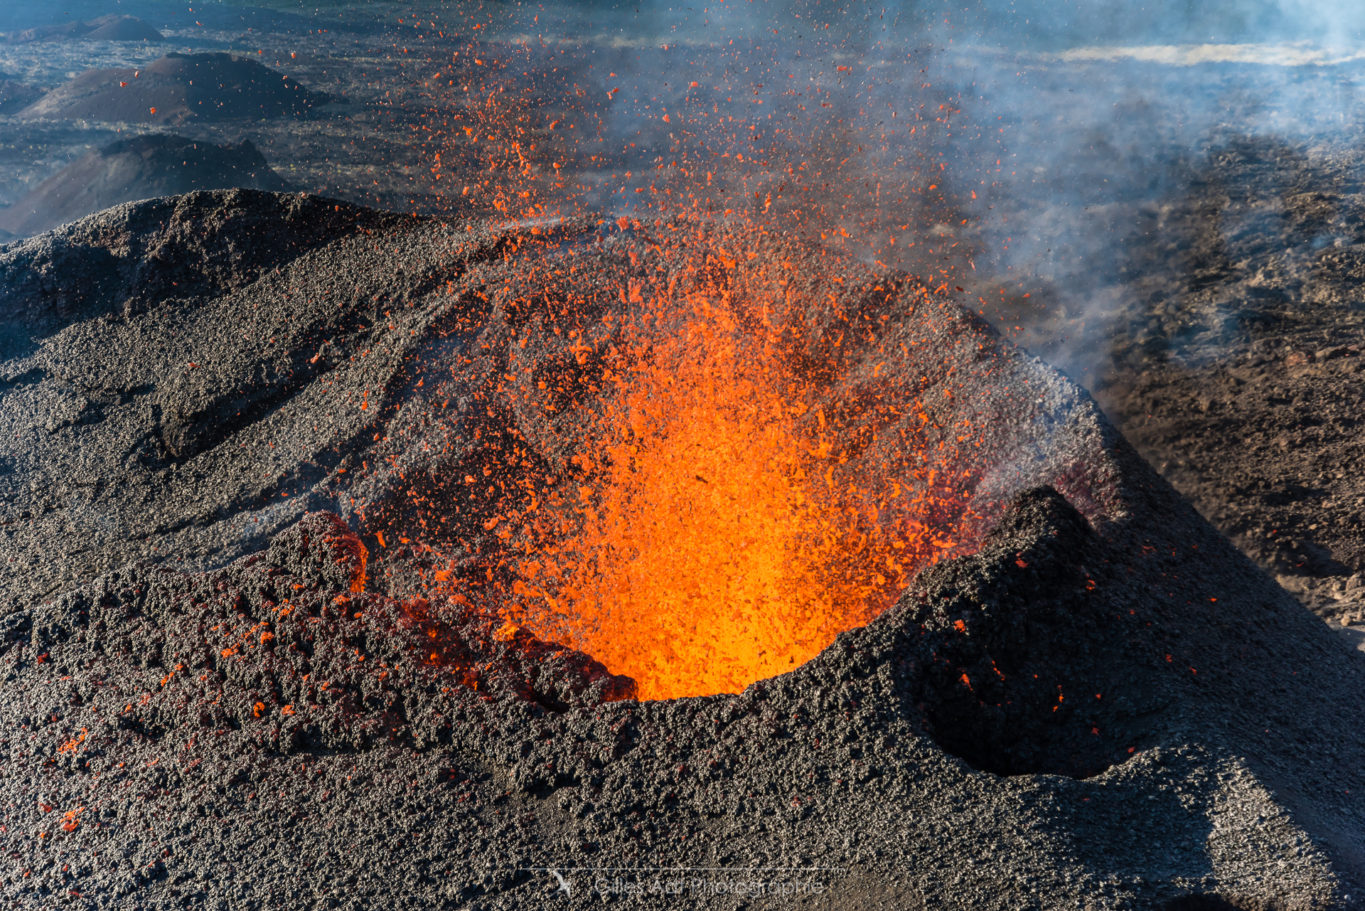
1239	375
240	428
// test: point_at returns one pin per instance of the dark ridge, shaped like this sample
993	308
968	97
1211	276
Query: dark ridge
15	96
143	167
178	88
1019	652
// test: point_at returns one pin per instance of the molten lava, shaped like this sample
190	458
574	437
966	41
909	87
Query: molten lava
751	483
724	526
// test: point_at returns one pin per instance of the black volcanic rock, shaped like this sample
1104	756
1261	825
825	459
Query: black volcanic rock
294	655
178	88
139	168
113	27
1013	629
1098	702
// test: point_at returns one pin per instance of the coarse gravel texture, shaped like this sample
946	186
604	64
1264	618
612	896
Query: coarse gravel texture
223	688
1240	376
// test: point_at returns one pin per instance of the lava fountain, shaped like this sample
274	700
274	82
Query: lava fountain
747	479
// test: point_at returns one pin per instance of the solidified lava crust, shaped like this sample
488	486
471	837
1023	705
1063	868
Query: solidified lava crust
228	682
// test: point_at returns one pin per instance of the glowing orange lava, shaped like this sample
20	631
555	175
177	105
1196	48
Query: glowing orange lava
721	533
752	485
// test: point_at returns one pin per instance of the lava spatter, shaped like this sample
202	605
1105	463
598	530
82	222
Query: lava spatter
745	483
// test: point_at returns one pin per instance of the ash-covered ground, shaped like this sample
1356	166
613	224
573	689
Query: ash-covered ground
1240	378
1096	700
1159	204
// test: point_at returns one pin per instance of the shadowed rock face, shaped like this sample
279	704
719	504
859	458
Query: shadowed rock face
1010	631
140	168
106	28
178	88
1101	701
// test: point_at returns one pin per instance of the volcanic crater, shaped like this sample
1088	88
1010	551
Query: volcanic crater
414	560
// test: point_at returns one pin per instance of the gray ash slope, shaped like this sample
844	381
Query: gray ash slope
105	28
1145	719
